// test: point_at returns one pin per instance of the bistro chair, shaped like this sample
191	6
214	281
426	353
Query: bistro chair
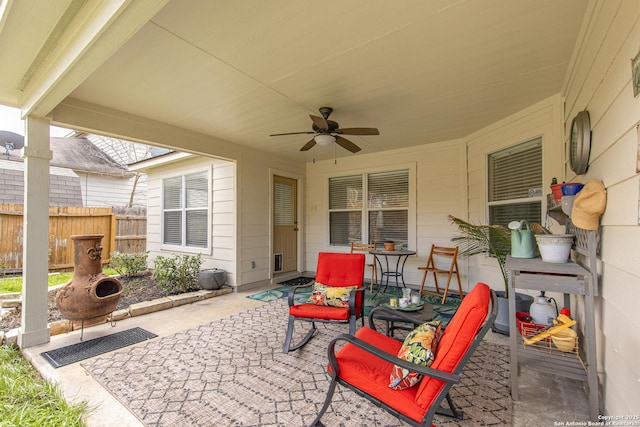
441	256
367	247
337	296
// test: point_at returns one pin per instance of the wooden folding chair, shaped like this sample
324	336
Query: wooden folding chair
366	247
438	253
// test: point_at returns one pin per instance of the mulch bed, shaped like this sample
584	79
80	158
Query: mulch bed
134	290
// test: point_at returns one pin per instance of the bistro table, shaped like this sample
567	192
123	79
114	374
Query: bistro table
400	258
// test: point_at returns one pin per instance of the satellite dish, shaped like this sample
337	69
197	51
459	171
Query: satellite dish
11	141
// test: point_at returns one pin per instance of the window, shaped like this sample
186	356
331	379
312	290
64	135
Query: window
185	210
515	183
384	215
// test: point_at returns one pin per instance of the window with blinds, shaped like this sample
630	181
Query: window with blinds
384	216
515	183
284	199
186	210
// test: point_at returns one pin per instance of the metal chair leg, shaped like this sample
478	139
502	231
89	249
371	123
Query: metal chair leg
325	406
287	342
452	411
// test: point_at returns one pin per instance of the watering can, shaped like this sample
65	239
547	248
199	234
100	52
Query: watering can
523	244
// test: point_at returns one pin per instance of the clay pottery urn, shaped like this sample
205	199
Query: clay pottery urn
90	296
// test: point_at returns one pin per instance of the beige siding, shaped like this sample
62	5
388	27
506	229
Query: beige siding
221	253
438	183
599	81
543	119
240	217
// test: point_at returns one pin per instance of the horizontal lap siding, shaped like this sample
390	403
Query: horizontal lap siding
599	81
440	189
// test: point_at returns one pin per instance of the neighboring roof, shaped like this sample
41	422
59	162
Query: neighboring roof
81	155
123	151
64	185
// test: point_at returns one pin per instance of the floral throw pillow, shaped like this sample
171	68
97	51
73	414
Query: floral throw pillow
419	347
329	295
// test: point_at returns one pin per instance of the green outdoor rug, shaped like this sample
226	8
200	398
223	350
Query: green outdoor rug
443	312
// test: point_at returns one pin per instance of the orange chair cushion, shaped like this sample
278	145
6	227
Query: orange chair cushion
339	269
371	374
324	312
456	340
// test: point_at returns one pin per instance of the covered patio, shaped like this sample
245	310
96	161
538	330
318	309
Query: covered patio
80	381
447	85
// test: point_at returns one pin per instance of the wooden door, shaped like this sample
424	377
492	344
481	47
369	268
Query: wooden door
285	224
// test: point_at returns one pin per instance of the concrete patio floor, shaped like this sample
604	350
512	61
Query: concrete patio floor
544	399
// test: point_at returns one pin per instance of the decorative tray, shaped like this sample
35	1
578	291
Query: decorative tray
410	307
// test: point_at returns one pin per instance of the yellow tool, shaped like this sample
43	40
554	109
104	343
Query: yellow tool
560	323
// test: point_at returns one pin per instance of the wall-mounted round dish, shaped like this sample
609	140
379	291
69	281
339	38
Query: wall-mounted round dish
580	142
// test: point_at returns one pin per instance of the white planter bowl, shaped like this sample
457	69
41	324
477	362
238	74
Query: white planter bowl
554	248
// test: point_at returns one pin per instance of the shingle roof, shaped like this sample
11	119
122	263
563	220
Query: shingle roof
80	154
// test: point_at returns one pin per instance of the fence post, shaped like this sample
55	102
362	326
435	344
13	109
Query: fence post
112	235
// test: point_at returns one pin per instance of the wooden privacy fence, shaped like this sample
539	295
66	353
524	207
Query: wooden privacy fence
124	231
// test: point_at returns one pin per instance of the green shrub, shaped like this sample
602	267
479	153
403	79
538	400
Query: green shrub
178	273
129	265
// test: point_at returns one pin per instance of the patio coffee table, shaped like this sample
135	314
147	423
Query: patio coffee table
398	318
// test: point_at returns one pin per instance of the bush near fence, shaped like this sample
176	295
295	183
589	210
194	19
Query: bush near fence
124	229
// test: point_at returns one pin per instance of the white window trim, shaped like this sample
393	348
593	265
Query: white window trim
411	215
189	249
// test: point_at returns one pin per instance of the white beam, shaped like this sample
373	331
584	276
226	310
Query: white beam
34	330
95	33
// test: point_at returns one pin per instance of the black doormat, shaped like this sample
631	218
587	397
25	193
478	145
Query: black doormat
86	349
297	281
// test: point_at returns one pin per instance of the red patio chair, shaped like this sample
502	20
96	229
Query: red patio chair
364	363
334	270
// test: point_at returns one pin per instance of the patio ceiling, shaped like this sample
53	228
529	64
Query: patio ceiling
420	71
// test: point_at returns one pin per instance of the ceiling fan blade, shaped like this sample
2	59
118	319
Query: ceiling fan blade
320	122
308	145
291	133
346	144
358	131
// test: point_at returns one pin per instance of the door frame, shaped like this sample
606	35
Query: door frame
299	214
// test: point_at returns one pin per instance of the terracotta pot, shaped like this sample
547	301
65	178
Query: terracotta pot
389	246
90	295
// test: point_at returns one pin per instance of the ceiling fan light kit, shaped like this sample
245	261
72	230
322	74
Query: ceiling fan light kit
325	132
324	139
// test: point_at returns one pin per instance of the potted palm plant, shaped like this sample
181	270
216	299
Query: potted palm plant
494	240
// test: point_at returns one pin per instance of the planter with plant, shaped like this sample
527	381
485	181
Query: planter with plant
495	240
389	245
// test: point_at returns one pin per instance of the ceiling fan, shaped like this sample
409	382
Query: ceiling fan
327	131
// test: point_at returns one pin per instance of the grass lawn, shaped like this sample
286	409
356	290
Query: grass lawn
28	400
14	283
